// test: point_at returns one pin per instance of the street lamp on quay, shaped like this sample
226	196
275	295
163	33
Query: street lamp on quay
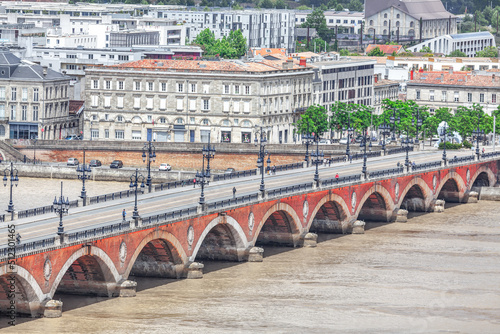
203	177
61	208
262	141
318	159
34	149
83	174
407	142
443	132
393	121
350	131
149	153
135	179
14	180
307	140
385	130
478	133
418	124
363	145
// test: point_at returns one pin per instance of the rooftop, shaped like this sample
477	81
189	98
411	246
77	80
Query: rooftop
469	35
455	79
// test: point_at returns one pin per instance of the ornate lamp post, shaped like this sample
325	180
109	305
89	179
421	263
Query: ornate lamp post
307	140
393	121
407	142
318	158
14	180
262	154
149	153
443	132
363	145
203	177
478	133
135	179
350	131
385	130
83	174
61	207
418	124
34	149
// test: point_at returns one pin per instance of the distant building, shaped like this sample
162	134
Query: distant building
386	49
384	89
469	43
344	21
392	16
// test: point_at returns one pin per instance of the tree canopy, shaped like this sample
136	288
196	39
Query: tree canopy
232	47
317	21
314	120
376	52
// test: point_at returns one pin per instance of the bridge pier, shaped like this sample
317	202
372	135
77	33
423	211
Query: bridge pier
157	269
439	205
473	197
328	226
358	227
127	288
195	270
52	309
256	254
310	240
401	216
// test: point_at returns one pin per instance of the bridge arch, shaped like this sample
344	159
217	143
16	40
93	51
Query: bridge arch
101	267
222	239
416	196
376	203
163	256
29	295
483	177
329	215
451	188
279	225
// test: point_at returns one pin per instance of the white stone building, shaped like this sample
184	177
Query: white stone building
345	21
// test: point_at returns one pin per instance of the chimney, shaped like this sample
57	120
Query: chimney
44	70
288	64
302	61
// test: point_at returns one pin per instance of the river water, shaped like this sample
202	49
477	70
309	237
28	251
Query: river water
439	272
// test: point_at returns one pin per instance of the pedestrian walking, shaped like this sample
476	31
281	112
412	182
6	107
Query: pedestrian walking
274	170
18	238
483	150
329	162
124	214
234	192
337	175
194	183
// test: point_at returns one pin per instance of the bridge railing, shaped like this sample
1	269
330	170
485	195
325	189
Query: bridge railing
295	165
289	189
173	185
2	218
399	150
457	160
148	220
232	201
490	155
235	175
386	172
340	180
27	247
342	158
35	212
357	156
98	231
426	165
113	196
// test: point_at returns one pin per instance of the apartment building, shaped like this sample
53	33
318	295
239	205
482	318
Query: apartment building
345	21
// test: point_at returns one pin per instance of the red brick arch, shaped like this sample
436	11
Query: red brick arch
295	225
457	178
424	187
483	169
329	198
384	194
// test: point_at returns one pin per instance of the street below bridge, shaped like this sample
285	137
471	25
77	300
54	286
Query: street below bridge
92	216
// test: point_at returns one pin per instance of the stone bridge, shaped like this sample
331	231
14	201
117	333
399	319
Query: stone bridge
92	264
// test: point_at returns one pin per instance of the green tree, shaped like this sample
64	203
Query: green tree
303	8
314	120
490	52
279	4
426	49
344	52
317	21
376	52
339	114
234	46
457	53
238	42
355	6
266	4
339	8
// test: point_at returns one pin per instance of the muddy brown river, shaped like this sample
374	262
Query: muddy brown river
437	273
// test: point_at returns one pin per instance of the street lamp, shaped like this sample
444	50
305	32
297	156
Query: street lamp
262	154
150	149
406	146
478	133
14	180
443	132
418	124
349	134
307	139
135	179
363	145
34	149
393	121
61	207
203	177
83	174
385	130
318	158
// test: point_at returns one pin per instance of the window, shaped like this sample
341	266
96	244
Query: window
119	119
107	101
163	103
163	86
24	113
236	106
106	133
469	97
136	135
119	101
2	110
137	102
35	95
13	112
179	121
13	95
205	121
193	88
35	113
431	95
163	120
206	88
180	88
108	84
94	133
418	95
150	86
149	103
443	97
455	97
206	104
192	104
95	84
106	117
481	97
180	104
226	89
493	98
2	93
95	101
247	90
192	120
225	107
236	89
119	134
246	106
137	85
24	96
121	85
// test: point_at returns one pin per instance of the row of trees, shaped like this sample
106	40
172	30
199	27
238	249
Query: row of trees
231	47
318	120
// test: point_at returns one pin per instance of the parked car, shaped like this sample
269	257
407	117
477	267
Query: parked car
324	141
116	164
71	137
72	162
95	163
343	141
229	171
165	167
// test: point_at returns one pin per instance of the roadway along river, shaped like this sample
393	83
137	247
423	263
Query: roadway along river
436	273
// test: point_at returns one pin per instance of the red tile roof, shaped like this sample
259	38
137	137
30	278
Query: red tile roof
387	49
75	106
455	78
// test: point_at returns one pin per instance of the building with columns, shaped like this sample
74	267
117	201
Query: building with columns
190	100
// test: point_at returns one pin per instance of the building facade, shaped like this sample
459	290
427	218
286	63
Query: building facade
190	101
345	21
384	89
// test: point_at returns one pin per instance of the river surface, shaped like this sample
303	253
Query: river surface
438	273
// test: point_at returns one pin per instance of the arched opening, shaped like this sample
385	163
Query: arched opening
277	230
329	219
482	180
449	192
14	285
158	258
414	200
222	243
86	277
374	209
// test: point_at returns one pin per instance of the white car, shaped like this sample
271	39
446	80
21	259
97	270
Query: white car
343	141
165	167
